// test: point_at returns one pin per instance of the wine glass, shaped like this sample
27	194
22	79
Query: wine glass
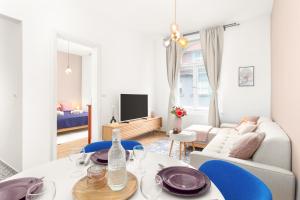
44	190
77	156
151	186
139	153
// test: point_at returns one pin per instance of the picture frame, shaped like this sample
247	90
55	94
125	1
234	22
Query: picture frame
246	76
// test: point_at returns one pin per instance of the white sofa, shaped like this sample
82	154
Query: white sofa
271	162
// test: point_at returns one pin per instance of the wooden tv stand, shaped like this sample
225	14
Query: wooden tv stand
132	128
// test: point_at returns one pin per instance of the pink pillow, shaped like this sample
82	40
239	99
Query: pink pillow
67	107
58	107
253	119
246	127
246	145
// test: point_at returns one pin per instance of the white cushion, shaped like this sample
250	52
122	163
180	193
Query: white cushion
276	148
263	119
246	127
222	142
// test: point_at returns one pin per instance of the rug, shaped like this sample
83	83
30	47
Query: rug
6	171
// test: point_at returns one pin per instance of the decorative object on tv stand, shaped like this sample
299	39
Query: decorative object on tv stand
246	76
175	34
179	112
113	119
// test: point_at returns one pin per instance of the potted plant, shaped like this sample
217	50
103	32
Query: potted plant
179	112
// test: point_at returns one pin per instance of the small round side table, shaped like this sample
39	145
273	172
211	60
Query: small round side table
183	138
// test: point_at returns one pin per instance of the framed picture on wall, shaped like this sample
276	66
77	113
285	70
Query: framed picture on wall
246	76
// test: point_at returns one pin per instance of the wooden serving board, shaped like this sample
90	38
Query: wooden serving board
84	191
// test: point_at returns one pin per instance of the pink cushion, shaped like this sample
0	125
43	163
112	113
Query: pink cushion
246	145
67	107
58	107
249	119
246	127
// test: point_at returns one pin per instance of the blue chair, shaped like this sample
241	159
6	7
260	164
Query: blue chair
234	182
97	146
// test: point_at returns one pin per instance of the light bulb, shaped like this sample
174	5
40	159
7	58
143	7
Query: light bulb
175	36
68	70
174	28
166	42
183	42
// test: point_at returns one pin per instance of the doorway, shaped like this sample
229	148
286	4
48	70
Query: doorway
77	95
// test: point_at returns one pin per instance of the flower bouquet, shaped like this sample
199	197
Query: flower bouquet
179	112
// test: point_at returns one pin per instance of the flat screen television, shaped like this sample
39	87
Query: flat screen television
133	106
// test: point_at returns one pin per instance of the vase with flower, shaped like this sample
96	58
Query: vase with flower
179	112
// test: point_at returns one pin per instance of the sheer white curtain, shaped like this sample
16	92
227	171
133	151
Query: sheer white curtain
212	40
174	53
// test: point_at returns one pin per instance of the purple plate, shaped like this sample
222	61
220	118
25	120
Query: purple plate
200	192
183	178
16	189
101	157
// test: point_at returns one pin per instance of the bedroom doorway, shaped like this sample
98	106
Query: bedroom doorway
76	95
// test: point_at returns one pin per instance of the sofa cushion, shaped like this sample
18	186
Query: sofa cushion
276	148
246	127
249	119
263	119
222	142
246	145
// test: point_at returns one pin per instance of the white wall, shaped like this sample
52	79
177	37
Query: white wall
10	89
69	85
246	45
86	86
126	65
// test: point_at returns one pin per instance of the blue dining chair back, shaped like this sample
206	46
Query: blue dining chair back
97	146
234	182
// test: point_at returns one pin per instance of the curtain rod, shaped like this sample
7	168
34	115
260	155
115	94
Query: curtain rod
224	26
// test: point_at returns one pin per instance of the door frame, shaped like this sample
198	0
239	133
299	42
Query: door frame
96	89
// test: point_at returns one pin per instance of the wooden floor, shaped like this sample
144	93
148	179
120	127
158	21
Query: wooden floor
63	150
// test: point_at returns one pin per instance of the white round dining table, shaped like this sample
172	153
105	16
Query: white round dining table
59	171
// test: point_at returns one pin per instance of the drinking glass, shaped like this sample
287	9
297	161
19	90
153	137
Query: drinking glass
96	175
44	190
139	153
151	185
77	157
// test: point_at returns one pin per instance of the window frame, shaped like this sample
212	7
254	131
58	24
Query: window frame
196	71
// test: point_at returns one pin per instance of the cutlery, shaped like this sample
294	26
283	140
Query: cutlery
131	157
161	166
82	159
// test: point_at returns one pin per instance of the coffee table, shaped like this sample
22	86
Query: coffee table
184	137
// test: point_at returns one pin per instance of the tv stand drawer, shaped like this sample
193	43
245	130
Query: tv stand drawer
132	128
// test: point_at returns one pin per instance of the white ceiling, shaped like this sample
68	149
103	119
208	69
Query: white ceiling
154	16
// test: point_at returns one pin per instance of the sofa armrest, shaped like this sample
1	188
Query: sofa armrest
280	181
228	125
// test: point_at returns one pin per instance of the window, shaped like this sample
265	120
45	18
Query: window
193	84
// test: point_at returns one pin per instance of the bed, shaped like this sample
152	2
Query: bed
71	121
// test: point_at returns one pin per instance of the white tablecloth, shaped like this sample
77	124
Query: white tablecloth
59	171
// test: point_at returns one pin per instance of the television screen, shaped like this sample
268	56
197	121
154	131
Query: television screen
133	106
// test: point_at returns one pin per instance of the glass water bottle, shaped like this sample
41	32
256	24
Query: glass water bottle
117	173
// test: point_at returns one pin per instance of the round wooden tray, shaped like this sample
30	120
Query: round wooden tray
84	191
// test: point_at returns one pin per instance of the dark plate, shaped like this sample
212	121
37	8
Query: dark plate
16	189
101	157
194	193
200	192
183	178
